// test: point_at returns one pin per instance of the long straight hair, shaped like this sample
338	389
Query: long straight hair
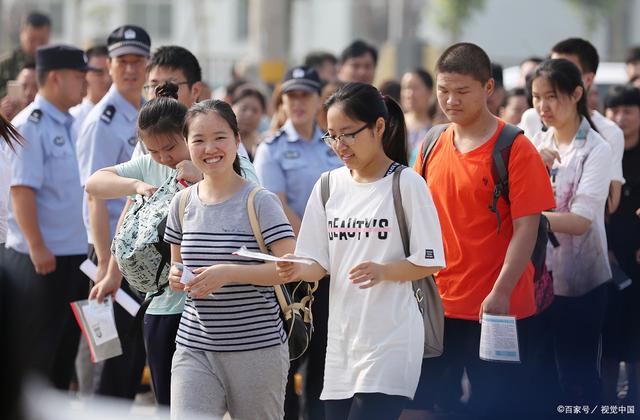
363	102
9	134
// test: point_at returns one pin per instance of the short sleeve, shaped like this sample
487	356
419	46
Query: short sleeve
96	148
593	188
530	189
269	172
615	138
313	238
173	231
530	123
273	221
27	166
425	235
248	171
133	168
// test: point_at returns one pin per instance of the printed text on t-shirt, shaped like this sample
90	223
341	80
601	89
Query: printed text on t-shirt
353	228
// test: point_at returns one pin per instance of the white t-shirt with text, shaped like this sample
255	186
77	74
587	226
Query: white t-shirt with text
375	336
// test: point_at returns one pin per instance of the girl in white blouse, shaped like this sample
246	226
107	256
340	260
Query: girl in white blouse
579	163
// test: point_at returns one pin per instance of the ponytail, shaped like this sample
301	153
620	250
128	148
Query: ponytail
363	102
9	133
394	139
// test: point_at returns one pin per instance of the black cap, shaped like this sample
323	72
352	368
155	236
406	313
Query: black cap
129	39
301	78
60	56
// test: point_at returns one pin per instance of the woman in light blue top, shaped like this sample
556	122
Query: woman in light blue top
160	128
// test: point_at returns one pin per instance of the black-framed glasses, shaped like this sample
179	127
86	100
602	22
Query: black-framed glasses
345	138
152	87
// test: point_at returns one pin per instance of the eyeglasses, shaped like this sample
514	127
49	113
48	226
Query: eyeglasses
152	87
346	138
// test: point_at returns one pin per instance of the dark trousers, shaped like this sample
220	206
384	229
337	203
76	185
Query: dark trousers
160	341
576	328
121	375
366	406
313	375
51	333
498	390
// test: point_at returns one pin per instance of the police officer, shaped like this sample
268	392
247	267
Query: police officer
46	240
289	164
108	137
34	33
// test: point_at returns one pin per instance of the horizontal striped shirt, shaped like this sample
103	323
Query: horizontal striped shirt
237	317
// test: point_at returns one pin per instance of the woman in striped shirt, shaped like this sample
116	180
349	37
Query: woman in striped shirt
231	350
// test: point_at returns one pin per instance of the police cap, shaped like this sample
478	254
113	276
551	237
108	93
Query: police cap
301	78
129	39
60	56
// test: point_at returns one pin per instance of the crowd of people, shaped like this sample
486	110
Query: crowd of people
334	168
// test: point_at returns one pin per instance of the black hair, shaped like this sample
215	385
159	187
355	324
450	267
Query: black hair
41	77
177	58
424	76
533	59
249	91
581	48
29	65
467	59
621	95
496	74
37	20
233	86
633	55
318	58
9	134
163	114
514	92
564	77
221	108
358	48
97	51
391	88
363	102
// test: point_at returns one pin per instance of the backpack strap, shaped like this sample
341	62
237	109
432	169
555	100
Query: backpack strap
183	204
325	188
500	167
428	143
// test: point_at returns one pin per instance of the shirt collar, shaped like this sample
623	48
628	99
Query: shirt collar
49	109
293	136
122	105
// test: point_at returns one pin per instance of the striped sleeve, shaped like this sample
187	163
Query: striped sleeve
173	230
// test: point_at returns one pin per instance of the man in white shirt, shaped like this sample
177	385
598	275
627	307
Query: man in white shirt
584	55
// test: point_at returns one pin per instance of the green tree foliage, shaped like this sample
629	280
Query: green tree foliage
452	15
592	12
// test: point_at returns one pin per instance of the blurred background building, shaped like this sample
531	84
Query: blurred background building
262	37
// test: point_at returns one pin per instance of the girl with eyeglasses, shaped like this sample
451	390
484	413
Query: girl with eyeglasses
375	335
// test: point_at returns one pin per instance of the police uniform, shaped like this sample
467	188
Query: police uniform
287	163
108	137
79	114
47	164
10	66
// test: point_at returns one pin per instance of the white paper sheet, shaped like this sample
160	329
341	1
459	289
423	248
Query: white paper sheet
187	274
127	302
100	321
244	252
499	339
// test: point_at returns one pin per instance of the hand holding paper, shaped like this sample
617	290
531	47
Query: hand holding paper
499	339
244	252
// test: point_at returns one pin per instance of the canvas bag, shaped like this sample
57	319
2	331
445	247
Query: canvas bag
139	248
425	289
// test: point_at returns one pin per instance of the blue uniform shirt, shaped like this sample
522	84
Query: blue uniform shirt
107	137
288	164
47	164
79	113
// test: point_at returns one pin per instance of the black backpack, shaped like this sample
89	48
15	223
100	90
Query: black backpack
543	283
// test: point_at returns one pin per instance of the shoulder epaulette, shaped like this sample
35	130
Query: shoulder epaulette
35	116
108	113
274	137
